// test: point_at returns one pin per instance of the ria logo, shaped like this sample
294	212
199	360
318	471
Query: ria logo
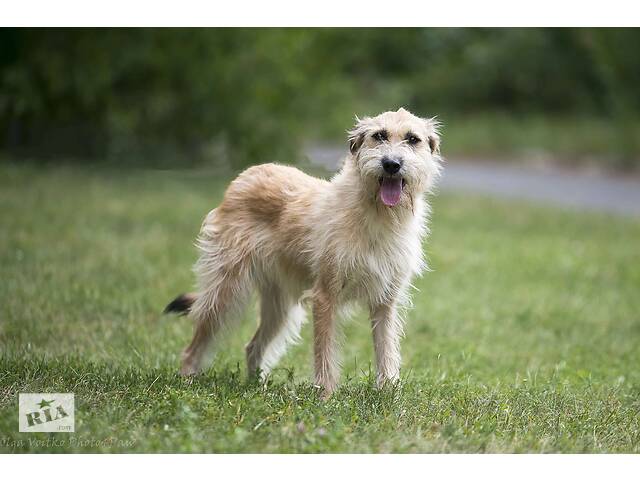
47	412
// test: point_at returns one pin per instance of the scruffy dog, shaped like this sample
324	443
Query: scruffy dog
293	237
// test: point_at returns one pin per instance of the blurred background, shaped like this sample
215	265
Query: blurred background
179	97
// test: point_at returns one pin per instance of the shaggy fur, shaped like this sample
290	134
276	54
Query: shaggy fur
295	237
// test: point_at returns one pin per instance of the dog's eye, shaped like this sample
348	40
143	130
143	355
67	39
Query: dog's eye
380	136
412	139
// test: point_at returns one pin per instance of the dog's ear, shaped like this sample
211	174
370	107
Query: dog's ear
434	136
356	135
434	143
355	142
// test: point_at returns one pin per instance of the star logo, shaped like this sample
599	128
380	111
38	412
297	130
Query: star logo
45	403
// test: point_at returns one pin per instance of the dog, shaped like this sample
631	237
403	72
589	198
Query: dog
296	238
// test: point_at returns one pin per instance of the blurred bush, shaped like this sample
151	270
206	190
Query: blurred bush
251	95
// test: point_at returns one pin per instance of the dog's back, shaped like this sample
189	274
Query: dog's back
268	195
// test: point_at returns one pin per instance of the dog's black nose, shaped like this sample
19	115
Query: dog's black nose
390	166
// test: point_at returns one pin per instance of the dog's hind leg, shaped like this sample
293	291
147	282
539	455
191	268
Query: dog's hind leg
194	354
280	320
212	311
224	287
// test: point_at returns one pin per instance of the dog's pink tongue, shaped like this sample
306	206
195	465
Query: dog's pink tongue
390	191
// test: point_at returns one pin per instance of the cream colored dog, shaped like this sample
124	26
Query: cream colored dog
357	237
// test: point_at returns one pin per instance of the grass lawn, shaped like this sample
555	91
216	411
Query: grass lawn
524	338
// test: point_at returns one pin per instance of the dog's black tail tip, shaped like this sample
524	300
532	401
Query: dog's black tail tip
181	304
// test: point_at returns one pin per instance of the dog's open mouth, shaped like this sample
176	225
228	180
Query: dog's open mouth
391	190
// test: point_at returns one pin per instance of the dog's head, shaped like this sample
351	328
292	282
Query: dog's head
397	155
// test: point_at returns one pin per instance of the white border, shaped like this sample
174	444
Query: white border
315	14
321	467
319	13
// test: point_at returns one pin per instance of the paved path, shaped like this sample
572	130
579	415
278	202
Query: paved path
549	186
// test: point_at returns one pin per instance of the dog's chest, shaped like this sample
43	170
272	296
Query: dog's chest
377	269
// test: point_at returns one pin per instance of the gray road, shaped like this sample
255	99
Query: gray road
549	186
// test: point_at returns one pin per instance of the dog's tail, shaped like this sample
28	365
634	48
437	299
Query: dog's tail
181	304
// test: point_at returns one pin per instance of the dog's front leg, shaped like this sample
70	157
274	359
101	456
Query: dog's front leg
387	331
325	345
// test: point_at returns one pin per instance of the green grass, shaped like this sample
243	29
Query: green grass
524	338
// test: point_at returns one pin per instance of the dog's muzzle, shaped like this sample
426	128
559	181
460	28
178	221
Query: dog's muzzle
391	183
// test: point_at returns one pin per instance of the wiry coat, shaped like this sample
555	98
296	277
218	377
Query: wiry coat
292	236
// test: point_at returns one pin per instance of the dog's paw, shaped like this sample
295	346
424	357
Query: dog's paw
188	370
324	392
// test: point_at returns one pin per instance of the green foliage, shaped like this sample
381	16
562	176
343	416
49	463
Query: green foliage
524	338
252	95
151	91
